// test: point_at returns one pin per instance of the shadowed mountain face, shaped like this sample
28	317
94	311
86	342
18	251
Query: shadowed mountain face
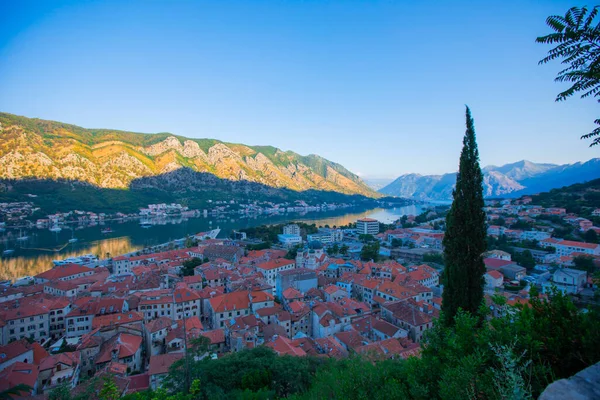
183	185
510	180
33	148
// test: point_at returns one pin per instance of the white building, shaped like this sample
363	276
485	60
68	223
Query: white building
324	238
367	226
289	240
291	229
567	280
493	279
27	322
534	235
568	247
327	236
271	268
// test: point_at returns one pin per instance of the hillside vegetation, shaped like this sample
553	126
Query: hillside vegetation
34	148
580	198
515	356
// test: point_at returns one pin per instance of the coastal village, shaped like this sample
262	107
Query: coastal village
23	214
358	289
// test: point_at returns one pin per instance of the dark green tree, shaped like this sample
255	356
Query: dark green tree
15	392
370	251
525	259
577	40
189	265
293	252
591	236
61	392
333	250
584	263
344	250
465	238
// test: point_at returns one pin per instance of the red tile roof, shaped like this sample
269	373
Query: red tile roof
496	262
161	363
64	271
495	274
158	324
18	374
291	293
71	359
260	297
283	345
109	320
273	264
183	293
124	344
14	349
216	336
138	383
230	301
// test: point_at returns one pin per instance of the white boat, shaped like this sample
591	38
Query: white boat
73	238
8	252
70	260
26	280
212	234
84	259
22	237
88	258
146	225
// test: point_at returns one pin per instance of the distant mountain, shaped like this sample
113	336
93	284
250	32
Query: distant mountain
110	159
521	169
510	180
377	183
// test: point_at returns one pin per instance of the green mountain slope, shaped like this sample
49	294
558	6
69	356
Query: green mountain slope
581	198
34	148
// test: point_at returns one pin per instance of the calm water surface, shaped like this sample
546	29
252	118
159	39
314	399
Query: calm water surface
35	255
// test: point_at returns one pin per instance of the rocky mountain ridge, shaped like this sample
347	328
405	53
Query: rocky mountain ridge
34	148
510	180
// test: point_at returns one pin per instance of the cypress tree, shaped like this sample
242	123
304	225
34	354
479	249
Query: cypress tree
465	237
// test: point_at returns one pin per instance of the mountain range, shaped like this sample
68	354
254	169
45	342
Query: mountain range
32	148
510	180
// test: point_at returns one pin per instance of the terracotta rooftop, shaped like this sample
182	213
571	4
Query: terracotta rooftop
161	363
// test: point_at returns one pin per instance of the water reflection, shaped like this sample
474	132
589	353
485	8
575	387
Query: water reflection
36	254
18	266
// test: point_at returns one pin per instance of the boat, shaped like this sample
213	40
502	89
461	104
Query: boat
73	238
22	237
84	259
55	228
70	260
87	258
24	281
212	234
107	230
7	252
146	225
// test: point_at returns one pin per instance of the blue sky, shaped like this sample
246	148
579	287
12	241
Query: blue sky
378	86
